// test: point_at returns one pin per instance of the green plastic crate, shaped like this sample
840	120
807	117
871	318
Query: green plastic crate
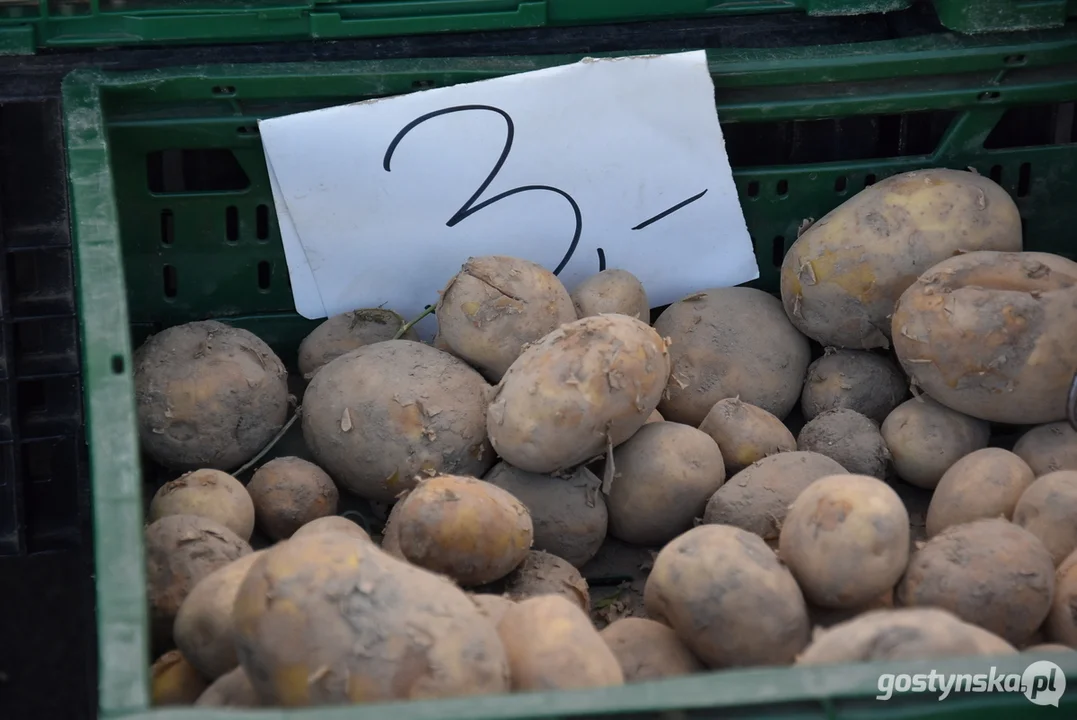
26	25
982	16
806	128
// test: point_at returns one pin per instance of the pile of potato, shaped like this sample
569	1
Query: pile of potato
820	478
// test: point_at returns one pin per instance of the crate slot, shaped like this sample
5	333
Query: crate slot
168	227
1024	179
52	509
1035	126
777	251
45	346
996	173
40	282
265	272
841	184
782	187
169	273
231	223
195	171
261	222
48	406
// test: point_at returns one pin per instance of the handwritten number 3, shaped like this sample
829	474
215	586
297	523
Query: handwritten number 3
470	207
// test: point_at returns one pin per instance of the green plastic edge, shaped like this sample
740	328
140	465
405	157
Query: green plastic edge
114	461
983	16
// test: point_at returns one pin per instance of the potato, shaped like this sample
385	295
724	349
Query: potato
233	689
181	550
872	385
174	681
203	627
1047	648
491	606
989	334
846	540
1049	448
1061	624
824	617
745	433
990	573
1048	510
348	331
495	306
288	493
925	439
984	484
612	291
390	533
901	634
332	523
731	342
544	574
664	476
552	645
648	650
586	385
378	418
210	494
468	529
842	277
329	619
757	498
729	599
568	512
207	395
849	438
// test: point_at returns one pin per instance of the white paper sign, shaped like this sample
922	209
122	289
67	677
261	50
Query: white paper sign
616	163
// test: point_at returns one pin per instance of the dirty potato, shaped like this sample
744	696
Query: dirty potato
851	439
612	291
648	650
1049	448
984	484
332	523
869	383
174	681
745	433
1048	510
925	439
544	574
346	332
288	493
210	494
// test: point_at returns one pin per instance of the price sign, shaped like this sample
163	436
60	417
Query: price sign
604	163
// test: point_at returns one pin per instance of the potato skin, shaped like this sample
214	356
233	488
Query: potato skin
984	484
612	291
378	418
648	650
332	523
842	277
588	383
664	476
1049	448
731	342
288	493
1048	510
551	645
1061	624
925	439
745	433
544	574
848	437
495	306
568	512
758	497
468	529
203	626
492	607
962	565
871	384
729	599
846	540
210	494
233	689
901	634
173	681
330	619
989	335
348	331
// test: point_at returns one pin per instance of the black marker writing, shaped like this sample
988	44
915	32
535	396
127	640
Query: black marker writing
666	213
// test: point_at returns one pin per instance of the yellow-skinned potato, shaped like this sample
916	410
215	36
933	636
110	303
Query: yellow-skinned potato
468	529
348	331
174	681
330	619
544	574
990	334
210	494
869	383
745	433
1061	624
842	277
1049	448
233	689
984	484
612	291
649	650
551	645
288	493
332	523
925	439
1048	509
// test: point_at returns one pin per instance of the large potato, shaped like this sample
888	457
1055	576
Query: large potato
210	494
468	529
846	540
567	511
842	277
288	493
174	681
728	598
1061	625
758	497
871	384
586	385
552	645
925	439
208	396
731	342
984	484
346	332
330	619
544	574
990	573
745	433
1049	448
901	634
990	334
380	417
612	291
648	650
1048	510
851	439
495	306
